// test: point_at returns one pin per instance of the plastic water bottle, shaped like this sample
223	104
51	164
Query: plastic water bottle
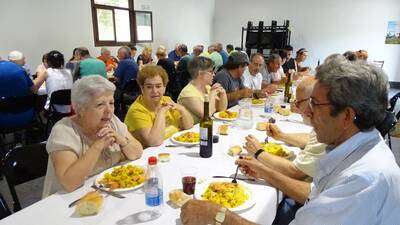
269	105
153	187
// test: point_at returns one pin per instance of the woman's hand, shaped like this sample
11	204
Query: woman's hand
217	90
106	137
252	144
251	167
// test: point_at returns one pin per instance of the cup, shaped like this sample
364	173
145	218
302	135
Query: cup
188	180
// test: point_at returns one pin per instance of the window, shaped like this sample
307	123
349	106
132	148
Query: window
116	23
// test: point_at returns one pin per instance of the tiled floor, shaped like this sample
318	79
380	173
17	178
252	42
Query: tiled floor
31	192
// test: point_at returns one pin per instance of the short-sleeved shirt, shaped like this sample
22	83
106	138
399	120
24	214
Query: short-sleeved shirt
229	83
58	79
14	81
139	117
307	160
190	91
217	59
254	82
225	56
127	70
92	66
66	135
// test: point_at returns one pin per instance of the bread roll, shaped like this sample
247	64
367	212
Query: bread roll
90	204
262	126
223	129
235	150
178	197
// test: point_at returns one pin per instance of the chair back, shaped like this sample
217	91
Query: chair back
23	164
60	97
393	102
387	124
131	87
4	210
378	63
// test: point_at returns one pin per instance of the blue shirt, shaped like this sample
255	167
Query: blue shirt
172	55
14	81
225	56
127	70
358	182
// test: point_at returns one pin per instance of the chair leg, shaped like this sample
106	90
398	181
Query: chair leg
16	204
389	141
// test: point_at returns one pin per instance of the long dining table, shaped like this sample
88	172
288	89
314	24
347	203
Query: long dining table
54	210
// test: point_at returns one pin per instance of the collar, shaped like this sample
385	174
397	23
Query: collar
335	156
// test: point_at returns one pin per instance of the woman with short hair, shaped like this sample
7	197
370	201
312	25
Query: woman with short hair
89	142
192	96
154	117
58	78
145	57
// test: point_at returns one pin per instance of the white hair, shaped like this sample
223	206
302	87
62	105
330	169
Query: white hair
15	55
104	50
85	88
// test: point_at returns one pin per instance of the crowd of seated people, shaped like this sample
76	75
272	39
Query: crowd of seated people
344	163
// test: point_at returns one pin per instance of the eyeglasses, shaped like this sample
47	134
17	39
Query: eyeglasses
313	105
298	102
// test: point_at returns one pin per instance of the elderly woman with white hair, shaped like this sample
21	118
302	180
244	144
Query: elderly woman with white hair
92	140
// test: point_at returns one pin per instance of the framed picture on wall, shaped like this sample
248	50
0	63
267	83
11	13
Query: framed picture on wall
393	33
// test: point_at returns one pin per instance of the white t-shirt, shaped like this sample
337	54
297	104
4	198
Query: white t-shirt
252	81
58	79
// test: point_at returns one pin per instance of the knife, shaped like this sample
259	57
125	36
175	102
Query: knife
114	194
237	178
74	202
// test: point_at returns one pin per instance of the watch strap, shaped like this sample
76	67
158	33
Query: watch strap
258	152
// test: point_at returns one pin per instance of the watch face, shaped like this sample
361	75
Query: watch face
220	217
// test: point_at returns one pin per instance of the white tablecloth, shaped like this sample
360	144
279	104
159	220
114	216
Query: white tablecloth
54	209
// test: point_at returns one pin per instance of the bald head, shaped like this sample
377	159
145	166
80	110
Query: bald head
305	88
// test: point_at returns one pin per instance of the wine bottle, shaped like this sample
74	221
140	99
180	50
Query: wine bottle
206	133
288	88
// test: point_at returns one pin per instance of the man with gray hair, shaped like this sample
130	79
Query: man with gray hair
127	68
108	59
270	70
18	58
357	181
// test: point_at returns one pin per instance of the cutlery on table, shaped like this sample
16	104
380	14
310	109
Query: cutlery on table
237	178
101	189
234	178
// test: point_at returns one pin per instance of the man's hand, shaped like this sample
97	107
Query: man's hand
274	131
251	167
252	144
246	93
197	212
271	88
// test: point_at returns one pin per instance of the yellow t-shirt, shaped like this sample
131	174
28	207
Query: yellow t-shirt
139	117
190	91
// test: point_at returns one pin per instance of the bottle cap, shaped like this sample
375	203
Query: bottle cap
152	160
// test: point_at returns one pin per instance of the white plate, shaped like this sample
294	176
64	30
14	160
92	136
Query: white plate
290	153
183	143
216	115
100	176
201	188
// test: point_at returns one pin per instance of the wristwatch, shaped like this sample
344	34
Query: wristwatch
258	152
220	217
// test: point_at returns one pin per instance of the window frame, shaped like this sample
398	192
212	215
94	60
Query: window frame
151	25
132	23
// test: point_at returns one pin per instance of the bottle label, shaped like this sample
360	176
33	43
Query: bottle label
203	134
154	194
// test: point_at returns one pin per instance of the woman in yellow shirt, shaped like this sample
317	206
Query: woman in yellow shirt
154	117
192	96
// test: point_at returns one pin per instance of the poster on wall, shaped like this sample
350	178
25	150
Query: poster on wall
393	33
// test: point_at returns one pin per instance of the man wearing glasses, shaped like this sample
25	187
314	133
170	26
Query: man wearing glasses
358	180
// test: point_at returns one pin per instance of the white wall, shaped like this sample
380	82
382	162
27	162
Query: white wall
321	26
35	27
